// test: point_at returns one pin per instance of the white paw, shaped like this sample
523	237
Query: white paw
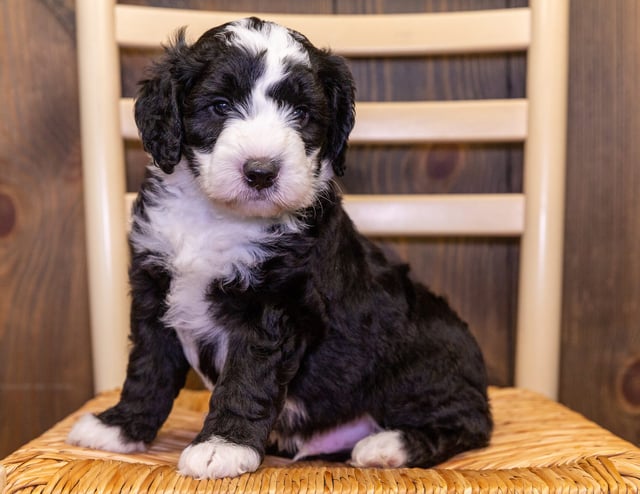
384	449
217	458
90	432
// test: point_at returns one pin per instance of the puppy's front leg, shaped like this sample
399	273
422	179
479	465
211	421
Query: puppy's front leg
156	371
243	408
155	374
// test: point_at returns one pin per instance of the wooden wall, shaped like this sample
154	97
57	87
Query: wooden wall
45	366
44	339
601	323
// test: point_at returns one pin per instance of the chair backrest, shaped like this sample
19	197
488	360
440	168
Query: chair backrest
535	215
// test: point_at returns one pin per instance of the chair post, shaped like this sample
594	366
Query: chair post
540	289
104	189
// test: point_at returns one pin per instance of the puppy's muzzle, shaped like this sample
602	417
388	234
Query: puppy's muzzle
261	173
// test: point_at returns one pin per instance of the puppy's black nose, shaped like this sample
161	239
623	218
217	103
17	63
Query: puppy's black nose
261	173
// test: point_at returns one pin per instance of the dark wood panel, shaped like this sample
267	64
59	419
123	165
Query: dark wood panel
601	340
44	339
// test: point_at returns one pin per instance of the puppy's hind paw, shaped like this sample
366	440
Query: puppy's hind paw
217	458
90	432
384	449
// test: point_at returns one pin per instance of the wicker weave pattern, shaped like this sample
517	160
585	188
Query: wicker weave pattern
538	446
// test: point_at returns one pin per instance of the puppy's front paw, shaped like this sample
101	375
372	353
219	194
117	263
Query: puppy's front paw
89	431
384	449
217	458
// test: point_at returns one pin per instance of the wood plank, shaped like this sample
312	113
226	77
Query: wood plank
437	215
601	340
417	122
431	215
128	126
350	35
45	370
440	121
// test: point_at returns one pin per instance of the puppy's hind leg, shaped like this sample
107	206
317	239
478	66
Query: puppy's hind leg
403	448
428	436
425	429
384	449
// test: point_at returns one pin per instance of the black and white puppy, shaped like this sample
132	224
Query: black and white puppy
246	268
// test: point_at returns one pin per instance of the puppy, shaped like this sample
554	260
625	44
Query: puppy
246	268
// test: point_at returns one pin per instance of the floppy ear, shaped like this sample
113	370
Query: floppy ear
157	110
339	89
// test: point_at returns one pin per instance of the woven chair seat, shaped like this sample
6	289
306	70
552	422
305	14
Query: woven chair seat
538	446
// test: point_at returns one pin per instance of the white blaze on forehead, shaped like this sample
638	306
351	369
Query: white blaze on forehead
272	40
277	47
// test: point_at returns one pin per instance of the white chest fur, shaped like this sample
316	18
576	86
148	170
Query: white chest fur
198	242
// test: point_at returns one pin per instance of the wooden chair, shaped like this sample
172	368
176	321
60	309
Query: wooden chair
538	444
539	121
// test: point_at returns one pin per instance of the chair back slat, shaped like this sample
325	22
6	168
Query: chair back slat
425	215
535	215
417	122
419	215
349	35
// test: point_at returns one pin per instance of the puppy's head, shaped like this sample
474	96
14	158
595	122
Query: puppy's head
259	114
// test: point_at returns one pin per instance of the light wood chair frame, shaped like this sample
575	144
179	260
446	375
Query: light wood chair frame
536	215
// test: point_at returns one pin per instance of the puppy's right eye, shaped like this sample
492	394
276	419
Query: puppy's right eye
221	107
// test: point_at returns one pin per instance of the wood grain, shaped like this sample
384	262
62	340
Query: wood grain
45	368
601	335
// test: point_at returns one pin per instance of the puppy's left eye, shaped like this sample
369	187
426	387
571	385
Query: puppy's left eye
301	115
221	107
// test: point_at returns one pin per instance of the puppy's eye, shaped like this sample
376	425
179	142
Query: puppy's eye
301	115
221	107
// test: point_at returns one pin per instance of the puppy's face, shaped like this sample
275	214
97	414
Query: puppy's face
260	115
